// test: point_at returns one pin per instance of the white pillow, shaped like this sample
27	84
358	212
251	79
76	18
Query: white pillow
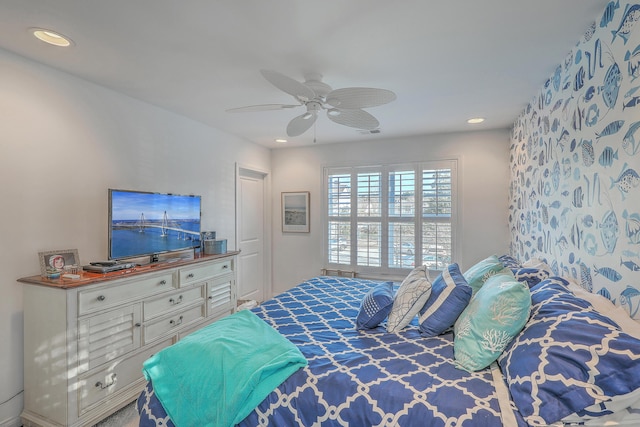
607	308
536	263
411	296
626	323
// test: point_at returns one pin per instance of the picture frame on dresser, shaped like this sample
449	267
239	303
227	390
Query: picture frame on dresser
52	263
295	212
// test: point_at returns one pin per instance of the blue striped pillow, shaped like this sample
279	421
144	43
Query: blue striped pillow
450	295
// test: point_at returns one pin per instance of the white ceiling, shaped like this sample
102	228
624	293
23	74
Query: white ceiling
447	61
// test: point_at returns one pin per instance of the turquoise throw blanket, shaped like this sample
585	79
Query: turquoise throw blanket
216	376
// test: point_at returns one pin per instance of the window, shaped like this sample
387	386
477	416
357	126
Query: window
386	218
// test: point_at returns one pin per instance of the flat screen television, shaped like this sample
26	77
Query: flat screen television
144	223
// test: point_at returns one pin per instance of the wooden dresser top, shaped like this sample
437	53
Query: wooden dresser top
88	277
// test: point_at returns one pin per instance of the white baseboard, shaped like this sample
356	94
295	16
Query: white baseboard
10	412
11	422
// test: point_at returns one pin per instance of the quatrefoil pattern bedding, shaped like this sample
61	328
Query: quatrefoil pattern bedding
569	359
361	378
569	363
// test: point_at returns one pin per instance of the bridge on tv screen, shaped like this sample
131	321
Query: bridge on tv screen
165	226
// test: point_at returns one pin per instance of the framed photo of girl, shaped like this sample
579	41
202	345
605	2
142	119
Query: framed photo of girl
52	263
295	212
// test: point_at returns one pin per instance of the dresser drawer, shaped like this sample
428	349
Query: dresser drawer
113	295
96	386
173	323
106	336
175	301
189	275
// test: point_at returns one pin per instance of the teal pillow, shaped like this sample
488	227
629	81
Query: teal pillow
481	271
495	315
411	296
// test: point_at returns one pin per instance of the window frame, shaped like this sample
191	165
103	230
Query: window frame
385	218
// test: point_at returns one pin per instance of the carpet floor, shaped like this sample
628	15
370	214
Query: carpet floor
125	417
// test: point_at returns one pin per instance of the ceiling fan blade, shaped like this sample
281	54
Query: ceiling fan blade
354	118
262	107
359	97
302	123
289	85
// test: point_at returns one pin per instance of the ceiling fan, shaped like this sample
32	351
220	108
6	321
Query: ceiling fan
343	106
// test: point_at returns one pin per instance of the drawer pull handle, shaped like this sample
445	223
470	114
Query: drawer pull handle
107	385
101	298
224	267
176	322
175	301
137	325
190	276
163	282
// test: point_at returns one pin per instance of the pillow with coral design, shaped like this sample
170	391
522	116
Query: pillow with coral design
481	271
496	314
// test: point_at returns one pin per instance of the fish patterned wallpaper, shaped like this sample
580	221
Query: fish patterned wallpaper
575	163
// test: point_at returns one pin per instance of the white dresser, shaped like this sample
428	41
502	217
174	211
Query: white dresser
85	340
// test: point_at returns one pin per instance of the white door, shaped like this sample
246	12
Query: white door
253	277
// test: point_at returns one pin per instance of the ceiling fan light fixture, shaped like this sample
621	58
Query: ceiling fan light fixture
344	106
51	37
334	101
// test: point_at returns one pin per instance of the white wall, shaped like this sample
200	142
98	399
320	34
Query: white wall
483	159
63	143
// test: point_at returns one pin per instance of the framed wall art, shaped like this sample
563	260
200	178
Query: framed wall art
295	212
52	263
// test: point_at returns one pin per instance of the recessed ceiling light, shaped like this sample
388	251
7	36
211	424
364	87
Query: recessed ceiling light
51	37
475	120
281	140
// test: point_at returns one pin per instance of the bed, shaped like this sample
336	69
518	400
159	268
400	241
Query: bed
366	376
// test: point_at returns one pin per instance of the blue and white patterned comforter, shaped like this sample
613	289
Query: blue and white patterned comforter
360	378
